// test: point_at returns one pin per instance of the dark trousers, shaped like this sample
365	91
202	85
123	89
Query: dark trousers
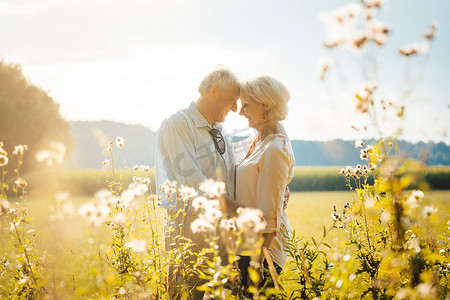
267	282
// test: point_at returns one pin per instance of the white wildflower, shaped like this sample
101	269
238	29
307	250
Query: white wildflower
199	202
370	202
68	209
52	156
228	224
153	198
19	149
417	195
251	219
385	217
359	143
137	245
62	196
20	182
212	189
409	50
168	187
94	213
212	215
335	216
370	150
3	160
106	198
413	199
120	142
426	290
187	192
212	204
429	210
201	225
4	206
119	219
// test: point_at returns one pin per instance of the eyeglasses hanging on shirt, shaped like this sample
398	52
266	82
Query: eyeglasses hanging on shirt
219	142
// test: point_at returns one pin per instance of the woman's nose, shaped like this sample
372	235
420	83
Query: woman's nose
241	111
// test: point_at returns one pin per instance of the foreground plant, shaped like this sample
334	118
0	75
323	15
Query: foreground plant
22	265
392	246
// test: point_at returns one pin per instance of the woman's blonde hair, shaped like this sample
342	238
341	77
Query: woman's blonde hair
220	76
269	91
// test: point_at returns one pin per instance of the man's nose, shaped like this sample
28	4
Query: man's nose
234	107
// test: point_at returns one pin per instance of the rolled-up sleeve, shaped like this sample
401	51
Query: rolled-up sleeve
273	178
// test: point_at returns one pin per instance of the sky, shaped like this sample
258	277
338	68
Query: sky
140	61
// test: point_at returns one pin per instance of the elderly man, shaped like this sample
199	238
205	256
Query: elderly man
192	147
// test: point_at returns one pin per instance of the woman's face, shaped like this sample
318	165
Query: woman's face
253	111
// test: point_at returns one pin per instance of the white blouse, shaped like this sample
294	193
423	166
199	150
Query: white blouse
261	180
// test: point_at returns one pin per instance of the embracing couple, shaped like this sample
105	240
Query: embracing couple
193	147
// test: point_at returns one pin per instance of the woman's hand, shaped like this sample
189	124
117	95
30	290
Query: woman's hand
287	194
261	269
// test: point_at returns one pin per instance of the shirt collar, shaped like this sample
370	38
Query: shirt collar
198	118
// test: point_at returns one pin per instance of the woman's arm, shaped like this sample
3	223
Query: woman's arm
274	168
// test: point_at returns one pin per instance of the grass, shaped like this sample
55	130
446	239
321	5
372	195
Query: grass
308	212
73	248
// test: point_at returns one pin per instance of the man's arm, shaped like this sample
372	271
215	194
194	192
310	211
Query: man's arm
176	156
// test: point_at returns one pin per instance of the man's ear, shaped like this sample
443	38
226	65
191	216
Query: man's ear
214	89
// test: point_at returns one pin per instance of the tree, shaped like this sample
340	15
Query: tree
28	115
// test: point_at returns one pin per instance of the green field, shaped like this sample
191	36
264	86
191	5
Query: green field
83	182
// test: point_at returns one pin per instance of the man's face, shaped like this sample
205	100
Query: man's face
225	101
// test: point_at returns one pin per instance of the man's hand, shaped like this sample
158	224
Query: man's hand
287	194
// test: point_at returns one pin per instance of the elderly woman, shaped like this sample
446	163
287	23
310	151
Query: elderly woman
268	167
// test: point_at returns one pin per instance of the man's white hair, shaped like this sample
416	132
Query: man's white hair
221	76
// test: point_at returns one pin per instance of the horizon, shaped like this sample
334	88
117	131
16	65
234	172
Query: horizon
249	129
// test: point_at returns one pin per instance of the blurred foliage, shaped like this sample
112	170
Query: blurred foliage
29	116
